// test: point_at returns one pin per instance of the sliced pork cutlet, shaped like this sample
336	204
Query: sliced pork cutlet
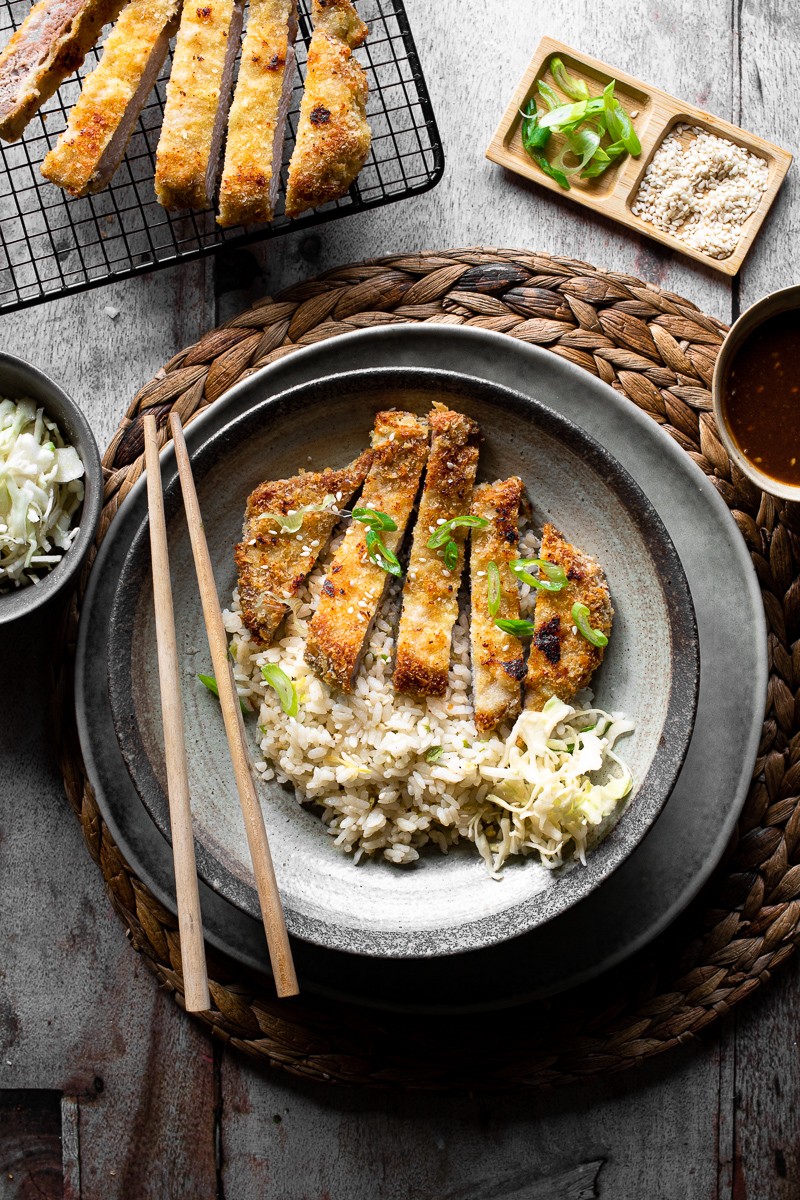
333	136
49	46
498	663
355	584
561	660
340	19
272	564
254	148
430	593
100	125
198	97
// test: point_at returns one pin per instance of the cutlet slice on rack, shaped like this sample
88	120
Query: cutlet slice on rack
561	660
251	174
430	592
50	45
100	125
356	580
498	662
273	560
198	96
333	135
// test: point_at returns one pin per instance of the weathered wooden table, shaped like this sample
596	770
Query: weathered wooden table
108	1090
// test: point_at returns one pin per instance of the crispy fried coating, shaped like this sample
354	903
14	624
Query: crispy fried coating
50	44
430	593
340	19
256	122
333	136
198	96
561	661
498	664
355	585
272	565
101	122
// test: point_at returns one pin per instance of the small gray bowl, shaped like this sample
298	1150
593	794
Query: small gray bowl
19	379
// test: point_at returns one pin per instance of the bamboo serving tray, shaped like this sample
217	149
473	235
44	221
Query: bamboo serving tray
655	114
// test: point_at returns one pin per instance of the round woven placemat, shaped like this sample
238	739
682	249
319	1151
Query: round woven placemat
658	350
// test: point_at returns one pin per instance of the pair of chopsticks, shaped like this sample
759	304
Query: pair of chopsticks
190	926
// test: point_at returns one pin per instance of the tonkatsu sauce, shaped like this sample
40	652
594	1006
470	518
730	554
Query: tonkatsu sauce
762	397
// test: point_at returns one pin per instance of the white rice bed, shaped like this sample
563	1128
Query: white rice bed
362	757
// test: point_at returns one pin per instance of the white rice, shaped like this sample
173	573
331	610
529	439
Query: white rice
363	758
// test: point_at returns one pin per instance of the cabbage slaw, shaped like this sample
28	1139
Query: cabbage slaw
40	492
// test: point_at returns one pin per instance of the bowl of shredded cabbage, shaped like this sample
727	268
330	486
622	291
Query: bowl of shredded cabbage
51	484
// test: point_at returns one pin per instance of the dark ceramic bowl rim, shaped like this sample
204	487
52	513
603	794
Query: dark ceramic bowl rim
681	708
77	432
784	300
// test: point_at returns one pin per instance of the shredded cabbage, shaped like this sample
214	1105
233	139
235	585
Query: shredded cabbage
544	799
40	491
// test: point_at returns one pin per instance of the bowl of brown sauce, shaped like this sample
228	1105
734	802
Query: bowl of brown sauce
756	393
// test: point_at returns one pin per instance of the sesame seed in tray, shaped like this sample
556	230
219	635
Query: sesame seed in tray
701	193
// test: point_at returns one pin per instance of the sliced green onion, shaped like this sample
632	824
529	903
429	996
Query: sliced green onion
381	555
556	576
211	683
603	160
620	126
520	629
534	140
287	692
291	522
570	115
582	146
374	518
442	534
580	615
493	593
576	89
434	754
551	98
450	555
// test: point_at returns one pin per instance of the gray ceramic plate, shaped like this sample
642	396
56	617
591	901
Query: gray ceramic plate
443	904
670	865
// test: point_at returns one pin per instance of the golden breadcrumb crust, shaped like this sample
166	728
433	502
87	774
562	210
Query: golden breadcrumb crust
355	585
193	102
430	593
273	565
340	19
255	118
29	76
498	663
333	137
107	93
561	661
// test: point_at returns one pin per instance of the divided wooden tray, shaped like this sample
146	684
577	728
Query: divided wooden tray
657	114
659	350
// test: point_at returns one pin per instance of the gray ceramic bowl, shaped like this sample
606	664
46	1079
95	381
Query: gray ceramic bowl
442	904
18	379
786	300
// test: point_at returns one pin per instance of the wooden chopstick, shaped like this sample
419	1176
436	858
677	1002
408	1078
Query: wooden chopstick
187	894
280	952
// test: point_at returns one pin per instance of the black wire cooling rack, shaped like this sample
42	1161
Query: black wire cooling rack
51	245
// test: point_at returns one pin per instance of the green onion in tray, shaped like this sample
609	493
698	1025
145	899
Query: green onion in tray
596	130
287	692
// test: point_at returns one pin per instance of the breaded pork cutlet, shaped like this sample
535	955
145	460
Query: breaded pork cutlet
50	45
430	593
333	136
561	660
101	123
355	583
272	564
254	147
198	97
498	663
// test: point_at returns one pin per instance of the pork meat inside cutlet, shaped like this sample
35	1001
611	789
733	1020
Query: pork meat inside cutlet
561	660
498	664
430	594
272	564
340	19
355	584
